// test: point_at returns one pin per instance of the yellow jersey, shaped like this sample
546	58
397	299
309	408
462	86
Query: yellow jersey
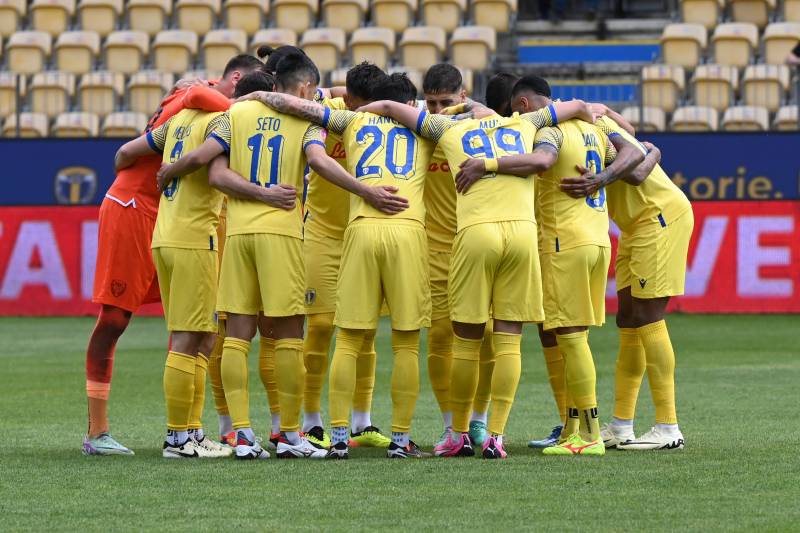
328	205
654	203
496	197
567	222
440	204
188	210
381	151
267	148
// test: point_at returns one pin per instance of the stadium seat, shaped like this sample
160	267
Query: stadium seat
28	51
76	51
753	11
98	92
695	118
705	12
472	46
497	14
791	10
149	16
765	85
683	44
76	124
30	125
375	45
51	92
339	77
11	12
324	46
422	46
296	15
786	118
654	118
396	15
174	50
344	14
146	89
663	86
745	118
467	79
125	51
780	38
52	16
221	45
715	86
414	74
100	16
273	37
124	124
734	43
198	16
445	14
247	15
9	92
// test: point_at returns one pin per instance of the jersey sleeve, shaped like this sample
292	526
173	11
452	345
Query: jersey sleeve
222	130
157	138
607	126
611	152
334	103
549	136
337	120
314	135
433	126
205	98
542	118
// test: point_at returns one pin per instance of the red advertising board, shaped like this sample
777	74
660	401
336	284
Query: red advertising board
744	258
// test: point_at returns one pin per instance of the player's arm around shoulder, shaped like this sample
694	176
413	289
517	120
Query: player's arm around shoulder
151	142
197	158
222	178
626	159
640	173
290	105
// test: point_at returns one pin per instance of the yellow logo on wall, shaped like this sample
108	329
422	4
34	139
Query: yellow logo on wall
75	185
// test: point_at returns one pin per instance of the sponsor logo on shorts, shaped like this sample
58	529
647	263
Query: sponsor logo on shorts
118	287
642	283
311	296
75	185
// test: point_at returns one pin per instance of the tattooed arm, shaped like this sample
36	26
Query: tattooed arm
291	105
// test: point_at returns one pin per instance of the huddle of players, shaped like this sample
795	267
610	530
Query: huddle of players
396	240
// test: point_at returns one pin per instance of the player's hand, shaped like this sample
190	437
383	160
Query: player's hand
648	146
185	83
383	199
470	171
586	113
582	186
280	196
161	179
598	110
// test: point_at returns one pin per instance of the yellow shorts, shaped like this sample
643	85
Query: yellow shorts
384	258
323	256
496	265
653	262
439	263
574	282
262	272
188	283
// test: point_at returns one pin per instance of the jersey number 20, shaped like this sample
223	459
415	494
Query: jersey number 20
400	165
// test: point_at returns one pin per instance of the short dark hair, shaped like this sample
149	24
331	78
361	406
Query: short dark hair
442	78
257	80
274	55
362	80
397	87
296	68
498	92
241	62
535	84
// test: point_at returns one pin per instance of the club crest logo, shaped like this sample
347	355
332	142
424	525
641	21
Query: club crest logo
311	296
118	287
75	186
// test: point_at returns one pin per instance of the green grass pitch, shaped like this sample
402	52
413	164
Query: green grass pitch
737	390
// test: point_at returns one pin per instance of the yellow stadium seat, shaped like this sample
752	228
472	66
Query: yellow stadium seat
174	50
296	15
125	51
339	77
273	37
754	11
496	14
52	16
396	15
786	118
11	12
472	46
780	38
149	16
324	46
76	51
375	45
734	43
30	125
124	124
745	118
663	86
654	118
100	16
445	14
715	86
198	16
683	44
766	85
247	15
345	14
76	124
695	118
51	92
146	90
791	10
414	74
705	12
221	45
422	46
98	92
28	51
12	87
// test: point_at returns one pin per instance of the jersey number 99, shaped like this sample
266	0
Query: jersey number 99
504	141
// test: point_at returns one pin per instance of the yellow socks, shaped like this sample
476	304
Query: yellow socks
483	392
342	379
266	370
507	370
405	379
290	373
660	370
464	380
196	412
581	376
315	358
179	389
365	374
572	424
629	373
556	373
215	373
234	380
589	424
440	360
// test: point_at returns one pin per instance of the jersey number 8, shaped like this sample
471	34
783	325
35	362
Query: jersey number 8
595	164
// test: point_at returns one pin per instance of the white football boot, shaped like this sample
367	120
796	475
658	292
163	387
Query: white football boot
187	450
655	439
613	435
304	449
208	449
